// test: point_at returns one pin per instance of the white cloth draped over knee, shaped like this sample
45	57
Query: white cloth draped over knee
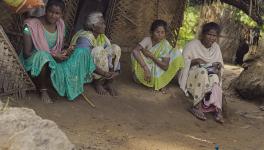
103	58
199	83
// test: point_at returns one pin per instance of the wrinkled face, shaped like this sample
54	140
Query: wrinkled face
100	26
159	34
53	14
209	38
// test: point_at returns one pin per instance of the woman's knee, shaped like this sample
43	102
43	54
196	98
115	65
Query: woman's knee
116	49
202	70
213	78
99	50
43	55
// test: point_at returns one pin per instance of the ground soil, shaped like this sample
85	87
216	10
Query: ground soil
141	119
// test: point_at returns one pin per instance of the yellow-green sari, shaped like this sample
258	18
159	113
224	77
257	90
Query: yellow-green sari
159	77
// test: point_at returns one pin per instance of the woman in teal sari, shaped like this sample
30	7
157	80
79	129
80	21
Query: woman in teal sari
45	60
154	61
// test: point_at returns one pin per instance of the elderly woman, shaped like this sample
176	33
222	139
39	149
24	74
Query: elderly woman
106	55
202	74
154	61
45	60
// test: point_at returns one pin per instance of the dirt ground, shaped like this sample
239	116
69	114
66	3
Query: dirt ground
141	119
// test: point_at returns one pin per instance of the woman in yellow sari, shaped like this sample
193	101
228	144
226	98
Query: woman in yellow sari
154	61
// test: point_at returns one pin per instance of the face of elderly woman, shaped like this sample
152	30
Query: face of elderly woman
99	27
209	38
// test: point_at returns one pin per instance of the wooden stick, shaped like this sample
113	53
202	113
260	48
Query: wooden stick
89	101
6	105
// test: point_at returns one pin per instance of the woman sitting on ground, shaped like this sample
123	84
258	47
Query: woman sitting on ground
45	60
202	74
154	61
106	55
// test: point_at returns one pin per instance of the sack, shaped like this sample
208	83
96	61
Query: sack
21	6
212	70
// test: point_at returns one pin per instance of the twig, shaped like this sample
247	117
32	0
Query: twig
89	101
6	105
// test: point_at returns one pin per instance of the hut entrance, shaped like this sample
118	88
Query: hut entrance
128	21
87	6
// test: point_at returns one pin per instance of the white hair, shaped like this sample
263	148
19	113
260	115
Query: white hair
92	19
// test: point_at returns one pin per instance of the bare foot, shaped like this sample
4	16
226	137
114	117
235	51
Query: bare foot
45	96
110	88
261	108
219	118
198	113
164	90
100	89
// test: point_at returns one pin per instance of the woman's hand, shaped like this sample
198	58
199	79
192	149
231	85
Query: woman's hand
147	53
111	75
68	51
198	61
218	65
147	74
59	57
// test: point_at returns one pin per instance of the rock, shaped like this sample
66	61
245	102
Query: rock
1	104
22	129
250	83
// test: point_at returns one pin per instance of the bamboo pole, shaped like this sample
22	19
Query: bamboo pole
6	105
87	100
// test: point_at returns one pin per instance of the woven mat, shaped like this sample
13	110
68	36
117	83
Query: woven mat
13	77
128	21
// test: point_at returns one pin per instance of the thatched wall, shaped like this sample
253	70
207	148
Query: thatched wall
12	23
128	21
13	78
12	26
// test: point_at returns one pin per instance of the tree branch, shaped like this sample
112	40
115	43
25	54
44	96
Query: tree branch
244	6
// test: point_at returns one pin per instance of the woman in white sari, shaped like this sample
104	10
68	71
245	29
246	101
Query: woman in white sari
202	75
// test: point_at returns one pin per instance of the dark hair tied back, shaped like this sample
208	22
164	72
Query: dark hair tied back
211	26
59	3
158	23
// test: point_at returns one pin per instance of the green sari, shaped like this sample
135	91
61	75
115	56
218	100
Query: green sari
68	77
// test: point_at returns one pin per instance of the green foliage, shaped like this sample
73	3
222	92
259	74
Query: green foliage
188	29
191	18
245	19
